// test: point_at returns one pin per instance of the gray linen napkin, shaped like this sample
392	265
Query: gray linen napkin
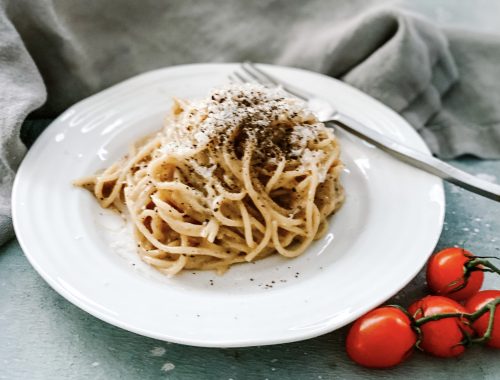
21	91
441	81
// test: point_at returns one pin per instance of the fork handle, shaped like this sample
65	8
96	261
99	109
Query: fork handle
417	159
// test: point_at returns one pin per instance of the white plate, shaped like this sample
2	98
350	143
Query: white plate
377	243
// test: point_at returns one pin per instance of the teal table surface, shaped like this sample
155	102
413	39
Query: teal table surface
43	336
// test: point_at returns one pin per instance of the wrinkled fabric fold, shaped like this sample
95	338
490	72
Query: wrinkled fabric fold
398	58
22	91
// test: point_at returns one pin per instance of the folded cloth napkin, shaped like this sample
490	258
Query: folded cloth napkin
442	81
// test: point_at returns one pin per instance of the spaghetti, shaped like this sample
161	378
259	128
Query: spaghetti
236	177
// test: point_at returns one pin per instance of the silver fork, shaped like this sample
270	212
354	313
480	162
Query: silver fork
329	115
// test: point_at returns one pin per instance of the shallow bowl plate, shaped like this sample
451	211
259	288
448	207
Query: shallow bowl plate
375	245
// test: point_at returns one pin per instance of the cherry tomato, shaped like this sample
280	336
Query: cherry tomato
443	337
480	325
381	338
445	273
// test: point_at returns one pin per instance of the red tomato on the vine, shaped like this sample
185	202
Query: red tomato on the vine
445	274
443	337
481	324
381	338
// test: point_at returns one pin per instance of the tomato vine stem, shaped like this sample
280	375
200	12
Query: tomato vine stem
491	306
474	263
486	266
471	317
437	317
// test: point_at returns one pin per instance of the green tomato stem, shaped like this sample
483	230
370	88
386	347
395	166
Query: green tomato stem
475	263
487	334
490	306
479	312
437	317
485	263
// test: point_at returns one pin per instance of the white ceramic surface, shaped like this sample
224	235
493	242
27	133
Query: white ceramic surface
377	242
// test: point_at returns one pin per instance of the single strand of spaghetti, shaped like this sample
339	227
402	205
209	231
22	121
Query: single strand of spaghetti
284	220
88	181
247	225
247	156
219	158
170	268
288	180
255	223
227	221
275	177
159	263
141	240
189	205
296	230
180	250
310	199
181	187
205	231
227	194
322	228
304	184
183	228
291	174
277	174
157	167
170	215
211	196
227	179
232	233
166	207
286	238
192	208
157	253
184	241
112	172
230	163
252	211
212	229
